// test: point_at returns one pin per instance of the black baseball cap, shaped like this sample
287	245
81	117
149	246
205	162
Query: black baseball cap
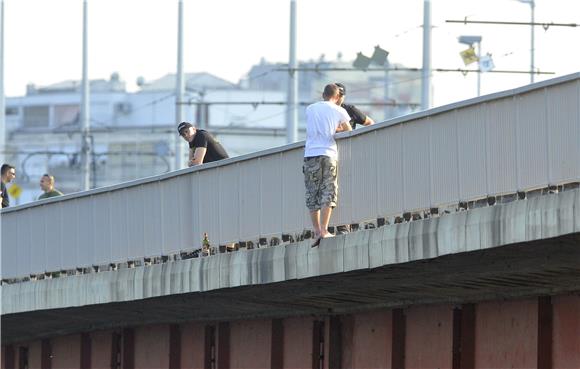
341	88
182	126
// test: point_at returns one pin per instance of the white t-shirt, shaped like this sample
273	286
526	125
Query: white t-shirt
322	120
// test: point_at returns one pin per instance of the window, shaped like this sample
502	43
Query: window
66	115
11	110
35	116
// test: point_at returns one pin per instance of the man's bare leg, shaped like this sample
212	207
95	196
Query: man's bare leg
324	220
315	217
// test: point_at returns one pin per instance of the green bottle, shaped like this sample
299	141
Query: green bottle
205	246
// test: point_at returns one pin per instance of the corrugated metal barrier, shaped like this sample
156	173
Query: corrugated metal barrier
506	142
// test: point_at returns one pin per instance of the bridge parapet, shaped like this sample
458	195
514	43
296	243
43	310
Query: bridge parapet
504	143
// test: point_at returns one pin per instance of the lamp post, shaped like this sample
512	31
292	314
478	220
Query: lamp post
532	48
426	70
2	99
387	86
179	87
292	114
470	40
86	147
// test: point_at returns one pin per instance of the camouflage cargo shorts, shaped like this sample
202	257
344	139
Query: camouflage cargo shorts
320	179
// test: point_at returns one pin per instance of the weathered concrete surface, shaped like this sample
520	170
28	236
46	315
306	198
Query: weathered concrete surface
527	247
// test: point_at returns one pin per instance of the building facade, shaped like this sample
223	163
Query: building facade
133	133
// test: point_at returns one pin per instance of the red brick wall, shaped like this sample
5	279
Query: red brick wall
250	344
298	342
3	356
34	350
152	347
566	335
192	345
66	352
506	334
101	346
371	341
429	337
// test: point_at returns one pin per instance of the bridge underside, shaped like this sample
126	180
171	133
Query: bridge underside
544	267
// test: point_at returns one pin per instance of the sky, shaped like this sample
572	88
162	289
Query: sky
43	38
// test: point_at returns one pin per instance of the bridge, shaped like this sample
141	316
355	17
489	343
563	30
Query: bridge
459	208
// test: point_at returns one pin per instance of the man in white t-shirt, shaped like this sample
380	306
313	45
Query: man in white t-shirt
323	120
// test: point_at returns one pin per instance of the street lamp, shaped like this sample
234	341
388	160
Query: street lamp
532	51
470	40
292	113
2	98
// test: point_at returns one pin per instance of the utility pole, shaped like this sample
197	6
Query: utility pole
532	49
479	69
85	109
2	98
292	115
426	72
179	87
387	86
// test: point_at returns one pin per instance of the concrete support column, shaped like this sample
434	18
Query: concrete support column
277	344
128	348
174	346
398	340
223	345
209	356
334	338
86	351
46	354
318	350
545	330
463	336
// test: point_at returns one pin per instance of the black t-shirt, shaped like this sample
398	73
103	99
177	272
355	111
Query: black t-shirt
356	116
215	151
4	192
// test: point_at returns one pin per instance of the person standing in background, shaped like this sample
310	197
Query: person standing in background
203	147
8	173
47	185
356	116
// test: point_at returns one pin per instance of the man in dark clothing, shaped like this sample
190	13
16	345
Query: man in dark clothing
8	173
47	186
356	116
203	147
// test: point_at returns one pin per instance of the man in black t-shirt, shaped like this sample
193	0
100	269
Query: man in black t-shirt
356	116
203	147
7	173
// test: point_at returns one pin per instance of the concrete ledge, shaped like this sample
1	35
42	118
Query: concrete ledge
521	221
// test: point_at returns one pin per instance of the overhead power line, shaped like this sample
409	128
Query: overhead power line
397	69
544	25
302	103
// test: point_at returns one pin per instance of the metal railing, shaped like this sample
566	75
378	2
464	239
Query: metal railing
502	143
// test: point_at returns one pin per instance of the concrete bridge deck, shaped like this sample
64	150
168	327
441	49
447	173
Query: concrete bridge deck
527	247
